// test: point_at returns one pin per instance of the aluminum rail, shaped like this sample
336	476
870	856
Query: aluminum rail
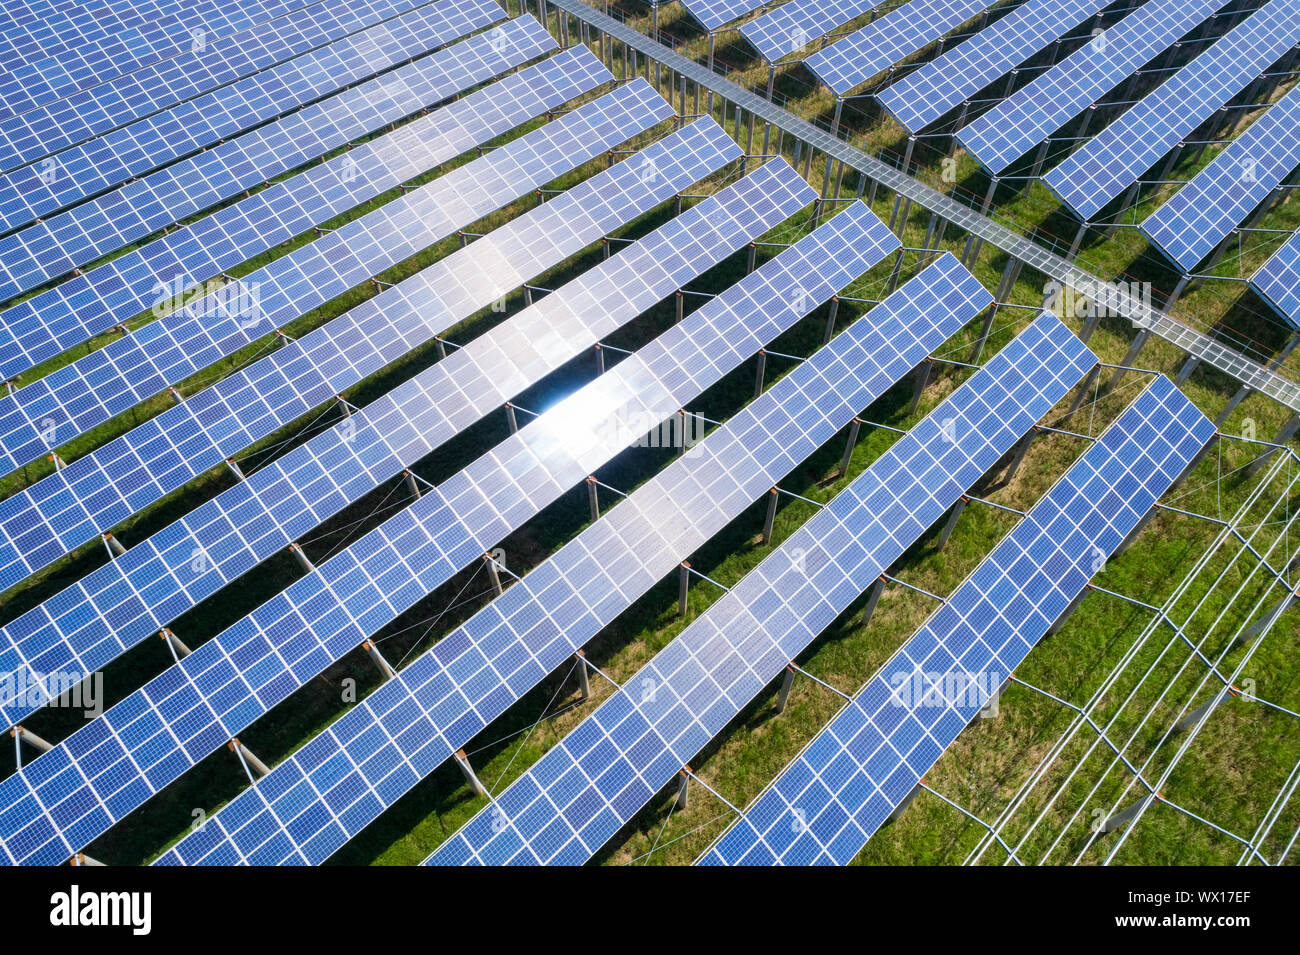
1055	267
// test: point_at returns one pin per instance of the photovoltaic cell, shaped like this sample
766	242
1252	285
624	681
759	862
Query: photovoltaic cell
1278	280
306	809
943	84
67	122
850	62
75	503
112	379
1207	210
132	596
71	176
54	76
44	251
73	311
828	802
1032	113
595	779
154	735
1113	160
792	26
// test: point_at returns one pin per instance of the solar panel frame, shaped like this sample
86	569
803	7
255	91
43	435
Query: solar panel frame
851	61
72	312
302	812
155	734
853	774
44	251
80	172
1208	209
926	94
591	783
83	628
1032	113
94	492
1114	159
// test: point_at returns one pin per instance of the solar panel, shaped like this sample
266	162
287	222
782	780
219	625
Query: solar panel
792	26
83	628
1032	113
1113	160
828	802
96	491
35	191
93	112
1208	209
1278	280
82	65
593	781
157	733
77	397
72	312
94	229
305	809
943	84
713	14
858	57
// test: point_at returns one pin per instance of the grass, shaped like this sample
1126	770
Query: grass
1230	774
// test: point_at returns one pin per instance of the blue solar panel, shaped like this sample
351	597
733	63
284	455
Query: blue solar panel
156	734
35	191
594	780
1278	280
792	26
72	312
713	14
61	70
852	61
81	629
1115	158
1208	209
828	802
303	813
96	491
44	251
1032	113
943	84
77	397
93	112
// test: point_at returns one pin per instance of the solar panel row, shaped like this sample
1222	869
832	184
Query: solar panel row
1031	114
597	777
850	62
1113	160
112	379
947	81
1278	280
129	285
159	732
792	26
44	251
828	802
39	132
1207	210
130	597
74	504
713	14
107	161
51	77
342	780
